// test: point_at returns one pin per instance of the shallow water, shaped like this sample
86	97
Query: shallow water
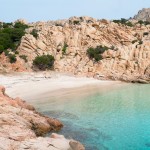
108	119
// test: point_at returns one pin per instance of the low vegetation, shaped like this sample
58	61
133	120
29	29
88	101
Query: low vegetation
134	41
96	53
59	24
76	22
24	57
44	62
64	48
12	58
10	35
124	22
34	33
143	22
145	33
140	42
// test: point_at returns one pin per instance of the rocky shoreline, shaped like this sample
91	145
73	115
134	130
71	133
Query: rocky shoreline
22	127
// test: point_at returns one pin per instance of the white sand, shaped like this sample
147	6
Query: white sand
34	86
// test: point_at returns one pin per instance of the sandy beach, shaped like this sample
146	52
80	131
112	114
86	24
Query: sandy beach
36	86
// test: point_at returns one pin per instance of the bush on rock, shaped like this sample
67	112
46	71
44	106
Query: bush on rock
44	62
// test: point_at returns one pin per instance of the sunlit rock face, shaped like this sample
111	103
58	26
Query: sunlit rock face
143	15
22	128
127	58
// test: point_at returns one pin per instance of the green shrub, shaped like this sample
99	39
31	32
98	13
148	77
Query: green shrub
64	48
16	52
91	52
129	24
145	33
20	25
10	36
124	22
6	52
34	33
143	22
7	25
12	58
24	57
147	23
1	48
1	25
98	57
140	42
76	22
44	62
112	47
59	24
5	40
96	53
134	41
17	34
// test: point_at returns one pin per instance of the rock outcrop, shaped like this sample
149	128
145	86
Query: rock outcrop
127	59
18	66
21	127
143	15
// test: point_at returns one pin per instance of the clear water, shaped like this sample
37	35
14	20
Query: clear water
112	119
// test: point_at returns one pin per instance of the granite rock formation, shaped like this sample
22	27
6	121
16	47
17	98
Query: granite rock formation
127	58
143	15
21	127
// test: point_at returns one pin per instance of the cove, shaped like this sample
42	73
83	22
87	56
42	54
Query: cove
108	119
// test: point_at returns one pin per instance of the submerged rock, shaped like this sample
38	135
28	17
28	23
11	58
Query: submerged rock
76	145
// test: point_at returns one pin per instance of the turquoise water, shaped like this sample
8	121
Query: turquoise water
110	119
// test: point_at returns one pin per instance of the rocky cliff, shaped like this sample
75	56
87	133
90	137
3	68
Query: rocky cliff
22	128
126	59
143	15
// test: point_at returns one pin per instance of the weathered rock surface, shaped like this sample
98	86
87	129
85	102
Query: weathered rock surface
127	59
21	127
143	15
6	66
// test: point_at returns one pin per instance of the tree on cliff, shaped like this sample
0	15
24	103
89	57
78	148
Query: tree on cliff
10	35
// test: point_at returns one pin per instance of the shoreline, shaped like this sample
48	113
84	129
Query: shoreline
22	127
36	89
35	86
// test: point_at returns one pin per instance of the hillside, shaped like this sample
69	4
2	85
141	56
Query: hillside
118	50
143	15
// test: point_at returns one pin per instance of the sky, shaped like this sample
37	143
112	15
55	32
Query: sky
44	10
